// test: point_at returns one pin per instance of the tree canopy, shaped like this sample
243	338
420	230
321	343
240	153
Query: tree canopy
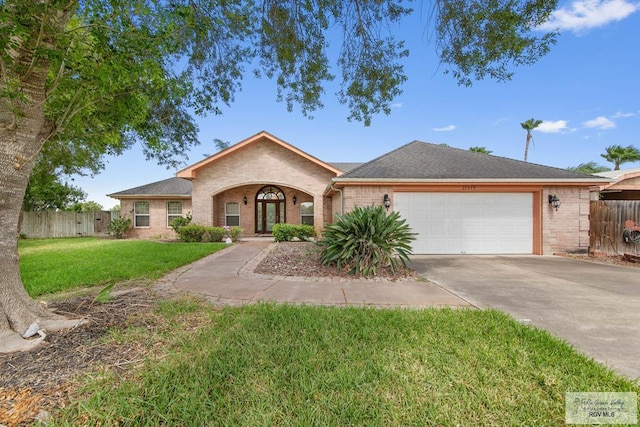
46	192
618	155
127	72
588	168
88	206
483	150
79	80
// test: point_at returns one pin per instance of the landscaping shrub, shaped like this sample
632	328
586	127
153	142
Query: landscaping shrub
287	232
366	239
214	234
206	237
305	232
191	232
180	222
283	232
119	227
235	233
201	233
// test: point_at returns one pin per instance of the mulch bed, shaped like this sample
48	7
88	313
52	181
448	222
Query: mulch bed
302	259
618	260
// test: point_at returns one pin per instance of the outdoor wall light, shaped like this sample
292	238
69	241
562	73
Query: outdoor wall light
295	199
244	199
554	201
387	201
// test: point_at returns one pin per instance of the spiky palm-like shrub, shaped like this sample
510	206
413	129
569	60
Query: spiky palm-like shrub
366	239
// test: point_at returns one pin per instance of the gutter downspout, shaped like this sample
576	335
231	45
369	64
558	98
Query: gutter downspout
341	198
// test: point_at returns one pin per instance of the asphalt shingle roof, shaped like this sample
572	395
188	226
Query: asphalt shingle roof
422	160
166	187
345	166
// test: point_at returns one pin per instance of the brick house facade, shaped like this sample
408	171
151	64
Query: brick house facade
263	180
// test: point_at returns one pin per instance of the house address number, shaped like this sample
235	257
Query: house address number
468	187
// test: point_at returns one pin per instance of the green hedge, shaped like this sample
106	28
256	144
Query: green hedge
201	233
287	232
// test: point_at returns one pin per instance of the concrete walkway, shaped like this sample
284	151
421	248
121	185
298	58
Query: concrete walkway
227	277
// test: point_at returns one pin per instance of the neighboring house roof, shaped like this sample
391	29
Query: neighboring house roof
627	179
619	174
190	172
421	161
174	187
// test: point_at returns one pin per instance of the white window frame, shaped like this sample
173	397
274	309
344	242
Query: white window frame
311	215
227	214
172	216
137	215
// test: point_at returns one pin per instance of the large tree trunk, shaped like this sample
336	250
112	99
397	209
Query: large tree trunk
23	130
19	146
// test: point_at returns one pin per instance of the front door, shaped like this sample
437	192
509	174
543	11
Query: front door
269	213
270	209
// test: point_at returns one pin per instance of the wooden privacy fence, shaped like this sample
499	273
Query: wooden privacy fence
606	226
49	224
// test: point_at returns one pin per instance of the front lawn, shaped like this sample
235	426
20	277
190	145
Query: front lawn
301	365
54	265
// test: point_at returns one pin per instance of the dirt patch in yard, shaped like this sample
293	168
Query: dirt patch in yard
35	382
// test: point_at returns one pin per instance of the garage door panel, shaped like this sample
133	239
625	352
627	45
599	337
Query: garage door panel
473	223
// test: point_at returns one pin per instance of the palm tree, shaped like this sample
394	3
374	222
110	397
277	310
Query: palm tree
482	150
588	168
617	154
529	125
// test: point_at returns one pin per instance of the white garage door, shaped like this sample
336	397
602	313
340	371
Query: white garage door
469	223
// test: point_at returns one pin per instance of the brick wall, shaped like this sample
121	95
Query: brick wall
565	230
158	228
365	195
244	172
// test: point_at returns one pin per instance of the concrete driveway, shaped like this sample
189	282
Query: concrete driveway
594	307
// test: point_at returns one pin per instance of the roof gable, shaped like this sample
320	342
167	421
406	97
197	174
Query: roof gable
191	172
424	161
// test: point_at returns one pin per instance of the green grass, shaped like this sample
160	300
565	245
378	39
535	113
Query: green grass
291	365
54	265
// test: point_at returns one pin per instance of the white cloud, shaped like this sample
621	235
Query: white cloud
445	129
397	105
501	120
600	122
621	115
553	127
586	14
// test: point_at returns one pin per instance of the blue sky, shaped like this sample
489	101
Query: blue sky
586	91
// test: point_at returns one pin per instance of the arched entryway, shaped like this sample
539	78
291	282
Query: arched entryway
270	208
